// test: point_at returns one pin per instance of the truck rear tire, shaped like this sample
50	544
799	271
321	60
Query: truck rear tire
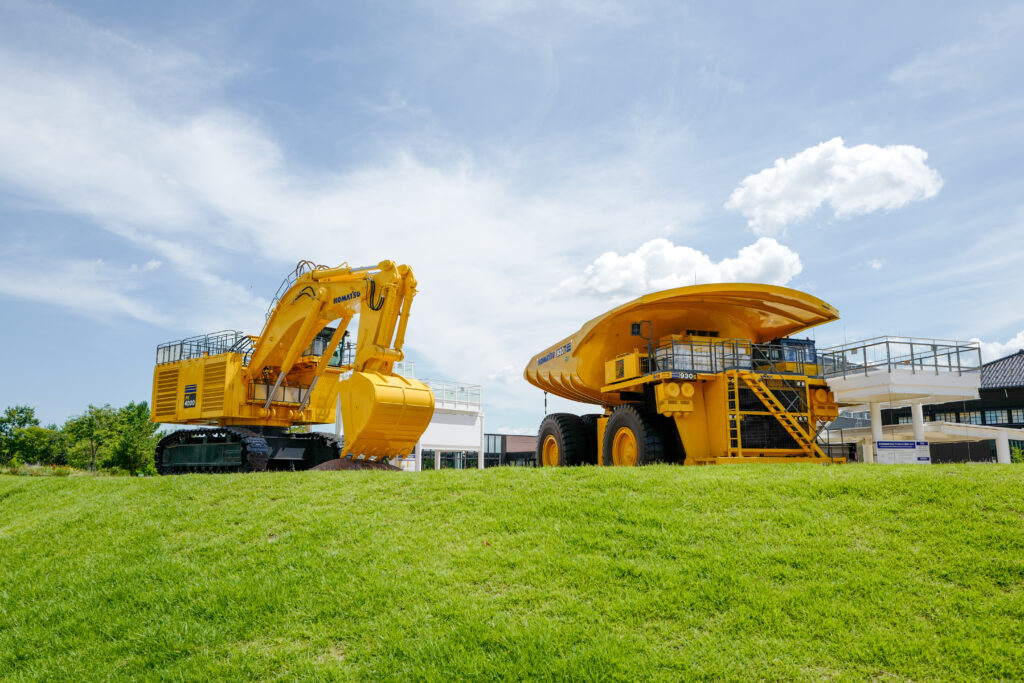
562	441
632	438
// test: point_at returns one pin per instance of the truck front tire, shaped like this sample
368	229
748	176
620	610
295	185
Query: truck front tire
632	438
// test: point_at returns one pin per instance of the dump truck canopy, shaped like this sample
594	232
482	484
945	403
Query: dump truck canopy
574	367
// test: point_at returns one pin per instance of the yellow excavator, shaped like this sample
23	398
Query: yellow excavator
696	375
252	398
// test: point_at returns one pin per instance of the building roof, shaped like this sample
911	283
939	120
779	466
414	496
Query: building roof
1004	372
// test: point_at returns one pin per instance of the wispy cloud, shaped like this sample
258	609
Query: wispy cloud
851	180
496	12
205	187
92	288
988	52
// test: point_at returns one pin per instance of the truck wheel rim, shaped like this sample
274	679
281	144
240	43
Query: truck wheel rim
624	450
549	454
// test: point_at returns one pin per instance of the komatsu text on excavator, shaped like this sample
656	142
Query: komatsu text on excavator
248	393
696	375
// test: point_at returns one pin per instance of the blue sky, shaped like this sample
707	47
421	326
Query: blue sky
164	165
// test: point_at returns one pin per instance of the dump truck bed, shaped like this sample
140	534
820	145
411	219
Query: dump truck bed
573	368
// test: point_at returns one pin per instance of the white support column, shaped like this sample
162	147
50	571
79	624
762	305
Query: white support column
876	428
437	458
1003	449
419	457
867	450
480	451
917	417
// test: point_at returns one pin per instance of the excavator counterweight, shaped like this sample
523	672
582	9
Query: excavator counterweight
256	396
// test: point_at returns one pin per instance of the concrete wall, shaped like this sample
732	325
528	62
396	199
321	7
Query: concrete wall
454	431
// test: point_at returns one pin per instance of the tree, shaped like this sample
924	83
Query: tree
36	444
134	440
14	418
90	433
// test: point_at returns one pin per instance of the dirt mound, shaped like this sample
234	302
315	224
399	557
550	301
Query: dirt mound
350	464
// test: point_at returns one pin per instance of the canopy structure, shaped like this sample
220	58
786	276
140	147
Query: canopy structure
574	367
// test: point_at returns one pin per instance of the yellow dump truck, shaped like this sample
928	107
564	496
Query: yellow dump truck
252	397
695	375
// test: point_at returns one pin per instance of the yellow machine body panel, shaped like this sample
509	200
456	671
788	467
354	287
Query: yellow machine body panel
213	390
709	358
287	377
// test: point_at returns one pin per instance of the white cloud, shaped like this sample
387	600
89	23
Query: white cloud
660	264
994	350
875	264
516	431
203	188
852	180
506	375
92	288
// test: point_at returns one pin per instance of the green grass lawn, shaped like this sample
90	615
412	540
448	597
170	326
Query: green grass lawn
743	572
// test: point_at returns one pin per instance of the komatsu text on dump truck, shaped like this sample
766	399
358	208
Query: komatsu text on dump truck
704	374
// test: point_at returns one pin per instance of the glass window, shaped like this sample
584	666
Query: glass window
995	417
903	419
945	417
971	417
1017	415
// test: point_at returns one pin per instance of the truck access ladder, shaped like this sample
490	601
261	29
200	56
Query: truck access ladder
788	420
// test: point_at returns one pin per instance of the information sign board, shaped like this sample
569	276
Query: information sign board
903	453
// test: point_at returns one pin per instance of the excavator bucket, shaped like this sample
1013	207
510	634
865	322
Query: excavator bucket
383	415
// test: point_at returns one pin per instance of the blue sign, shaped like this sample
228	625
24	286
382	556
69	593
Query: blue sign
190	396
560	351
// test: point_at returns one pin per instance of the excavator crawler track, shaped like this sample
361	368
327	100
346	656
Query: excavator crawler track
254	452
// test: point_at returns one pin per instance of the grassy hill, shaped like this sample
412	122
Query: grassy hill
780	573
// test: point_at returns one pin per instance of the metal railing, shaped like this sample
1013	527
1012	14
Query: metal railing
301	268
736	354
887	354
233	341
197	347
455	394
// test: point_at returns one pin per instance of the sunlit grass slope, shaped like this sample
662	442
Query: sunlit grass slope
779	573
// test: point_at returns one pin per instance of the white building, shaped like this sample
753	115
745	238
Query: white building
890	372
455	436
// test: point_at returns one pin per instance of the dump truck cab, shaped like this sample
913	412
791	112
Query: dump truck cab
694	375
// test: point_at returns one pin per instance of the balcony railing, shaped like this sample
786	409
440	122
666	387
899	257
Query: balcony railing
889	354
455	394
